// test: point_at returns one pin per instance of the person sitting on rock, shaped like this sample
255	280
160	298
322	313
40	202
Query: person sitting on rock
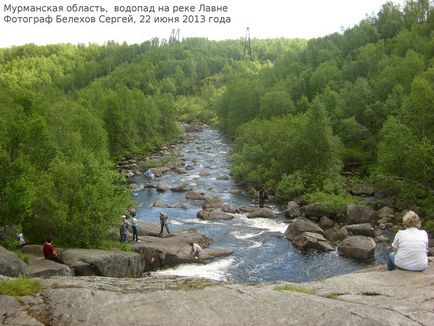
50	251
410	246
195	250
163	222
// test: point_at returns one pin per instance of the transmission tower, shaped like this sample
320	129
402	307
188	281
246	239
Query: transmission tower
174	36
247	48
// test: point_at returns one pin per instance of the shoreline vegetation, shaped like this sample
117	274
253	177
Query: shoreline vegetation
309	120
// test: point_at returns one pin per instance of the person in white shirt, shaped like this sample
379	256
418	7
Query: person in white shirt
195	250
410	246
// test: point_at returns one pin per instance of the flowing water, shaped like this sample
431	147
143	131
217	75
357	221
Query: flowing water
261	253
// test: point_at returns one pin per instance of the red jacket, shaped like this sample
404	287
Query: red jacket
49	250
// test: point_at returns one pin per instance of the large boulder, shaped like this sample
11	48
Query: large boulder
326	223
384	215
301	225
317	210
162	187
336	234
161	204
213	215
183	187
262	212
365	229
87	262
358	247
247	209
313	241
193	195
358	214
293	210
10	264
213	203
173	250
47	268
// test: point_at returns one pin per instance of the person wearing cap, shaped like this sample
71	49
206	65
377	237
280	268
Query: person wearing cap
124	228
163	222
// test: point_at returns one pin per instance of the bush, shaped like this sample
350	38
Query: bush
336	202
20	287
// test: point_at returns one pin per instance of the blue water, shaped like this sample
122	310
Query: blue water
261	253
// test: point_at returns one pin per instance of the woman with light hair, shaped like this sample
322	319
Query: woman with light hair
410	246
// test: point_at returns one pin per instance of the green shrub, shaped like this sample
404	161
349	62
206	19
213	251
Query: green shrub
20	287
336	202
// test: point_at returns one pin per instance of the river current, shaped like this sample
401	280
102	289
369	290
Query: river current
261	253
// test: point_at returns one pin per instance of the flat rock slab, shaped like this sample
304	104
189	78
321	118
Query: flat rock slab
46	268
12	312
374	298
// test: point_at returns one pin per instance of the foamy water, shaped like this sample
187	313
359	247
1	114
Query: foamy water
263	223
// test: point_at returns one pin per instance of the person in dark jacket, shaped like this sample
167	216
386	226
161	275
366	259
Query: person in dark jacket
262	197
163	222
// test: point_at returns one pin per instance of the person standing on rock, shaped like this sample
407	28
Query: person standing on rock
163	222
262	197
134	225
195	250
410	246
124	229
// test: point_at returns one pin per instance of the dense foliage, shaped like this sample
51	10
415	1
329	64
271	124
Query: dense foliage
300	114
359	102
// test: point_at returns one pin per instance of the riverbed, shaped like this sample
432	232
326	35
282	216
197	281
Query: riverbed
261	253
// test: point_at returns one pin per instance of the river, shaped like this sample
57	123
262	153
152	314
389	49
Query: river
261	253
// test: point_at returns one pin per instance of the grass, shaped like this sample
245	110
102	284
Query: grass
195	284
19	287
294	288
22	256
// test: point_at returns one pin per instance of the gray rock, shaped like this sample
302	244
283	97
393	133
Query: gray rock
104	263
10	264
47	268
183	187
301	225
358	247
222	177
293	210
34	250
336	234
262	213
213	203
228	209
362	190
247	209
365	229
313	241
213	215
325	222
192	195
318	210
384	215
161	187
13	313
161	203
358	214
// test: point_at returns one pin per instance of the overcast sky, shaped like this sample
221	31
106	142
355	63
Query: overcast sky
266	19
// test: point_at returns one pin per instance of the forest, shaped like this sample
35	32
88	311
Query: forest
307	118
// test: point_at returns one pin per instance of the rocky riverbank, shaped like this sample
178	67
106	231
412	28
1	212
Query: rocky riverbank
364	298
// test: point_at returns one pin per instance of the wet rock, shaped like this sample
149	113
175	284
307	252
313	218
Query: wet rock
358	214
336	234
247	209
87	262
318	210
193	195
301	225
213	203
362	190
161	203
222	177
365	229
358	247
128	173
181	170
326	223
384	215
313	241
204	174
228	209
213	215
47	268
262	213
183	187
161	187
10	264
381	239
189	167
292	210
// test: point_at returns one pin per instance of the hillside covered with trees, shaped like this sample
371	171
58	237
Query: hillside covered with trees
301	113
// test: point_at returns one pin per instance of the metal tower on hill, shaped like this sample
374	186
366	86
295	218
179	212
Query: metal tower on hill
247	53
174	37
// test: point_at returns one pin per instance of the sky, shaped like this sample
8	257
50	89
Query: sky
265	19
